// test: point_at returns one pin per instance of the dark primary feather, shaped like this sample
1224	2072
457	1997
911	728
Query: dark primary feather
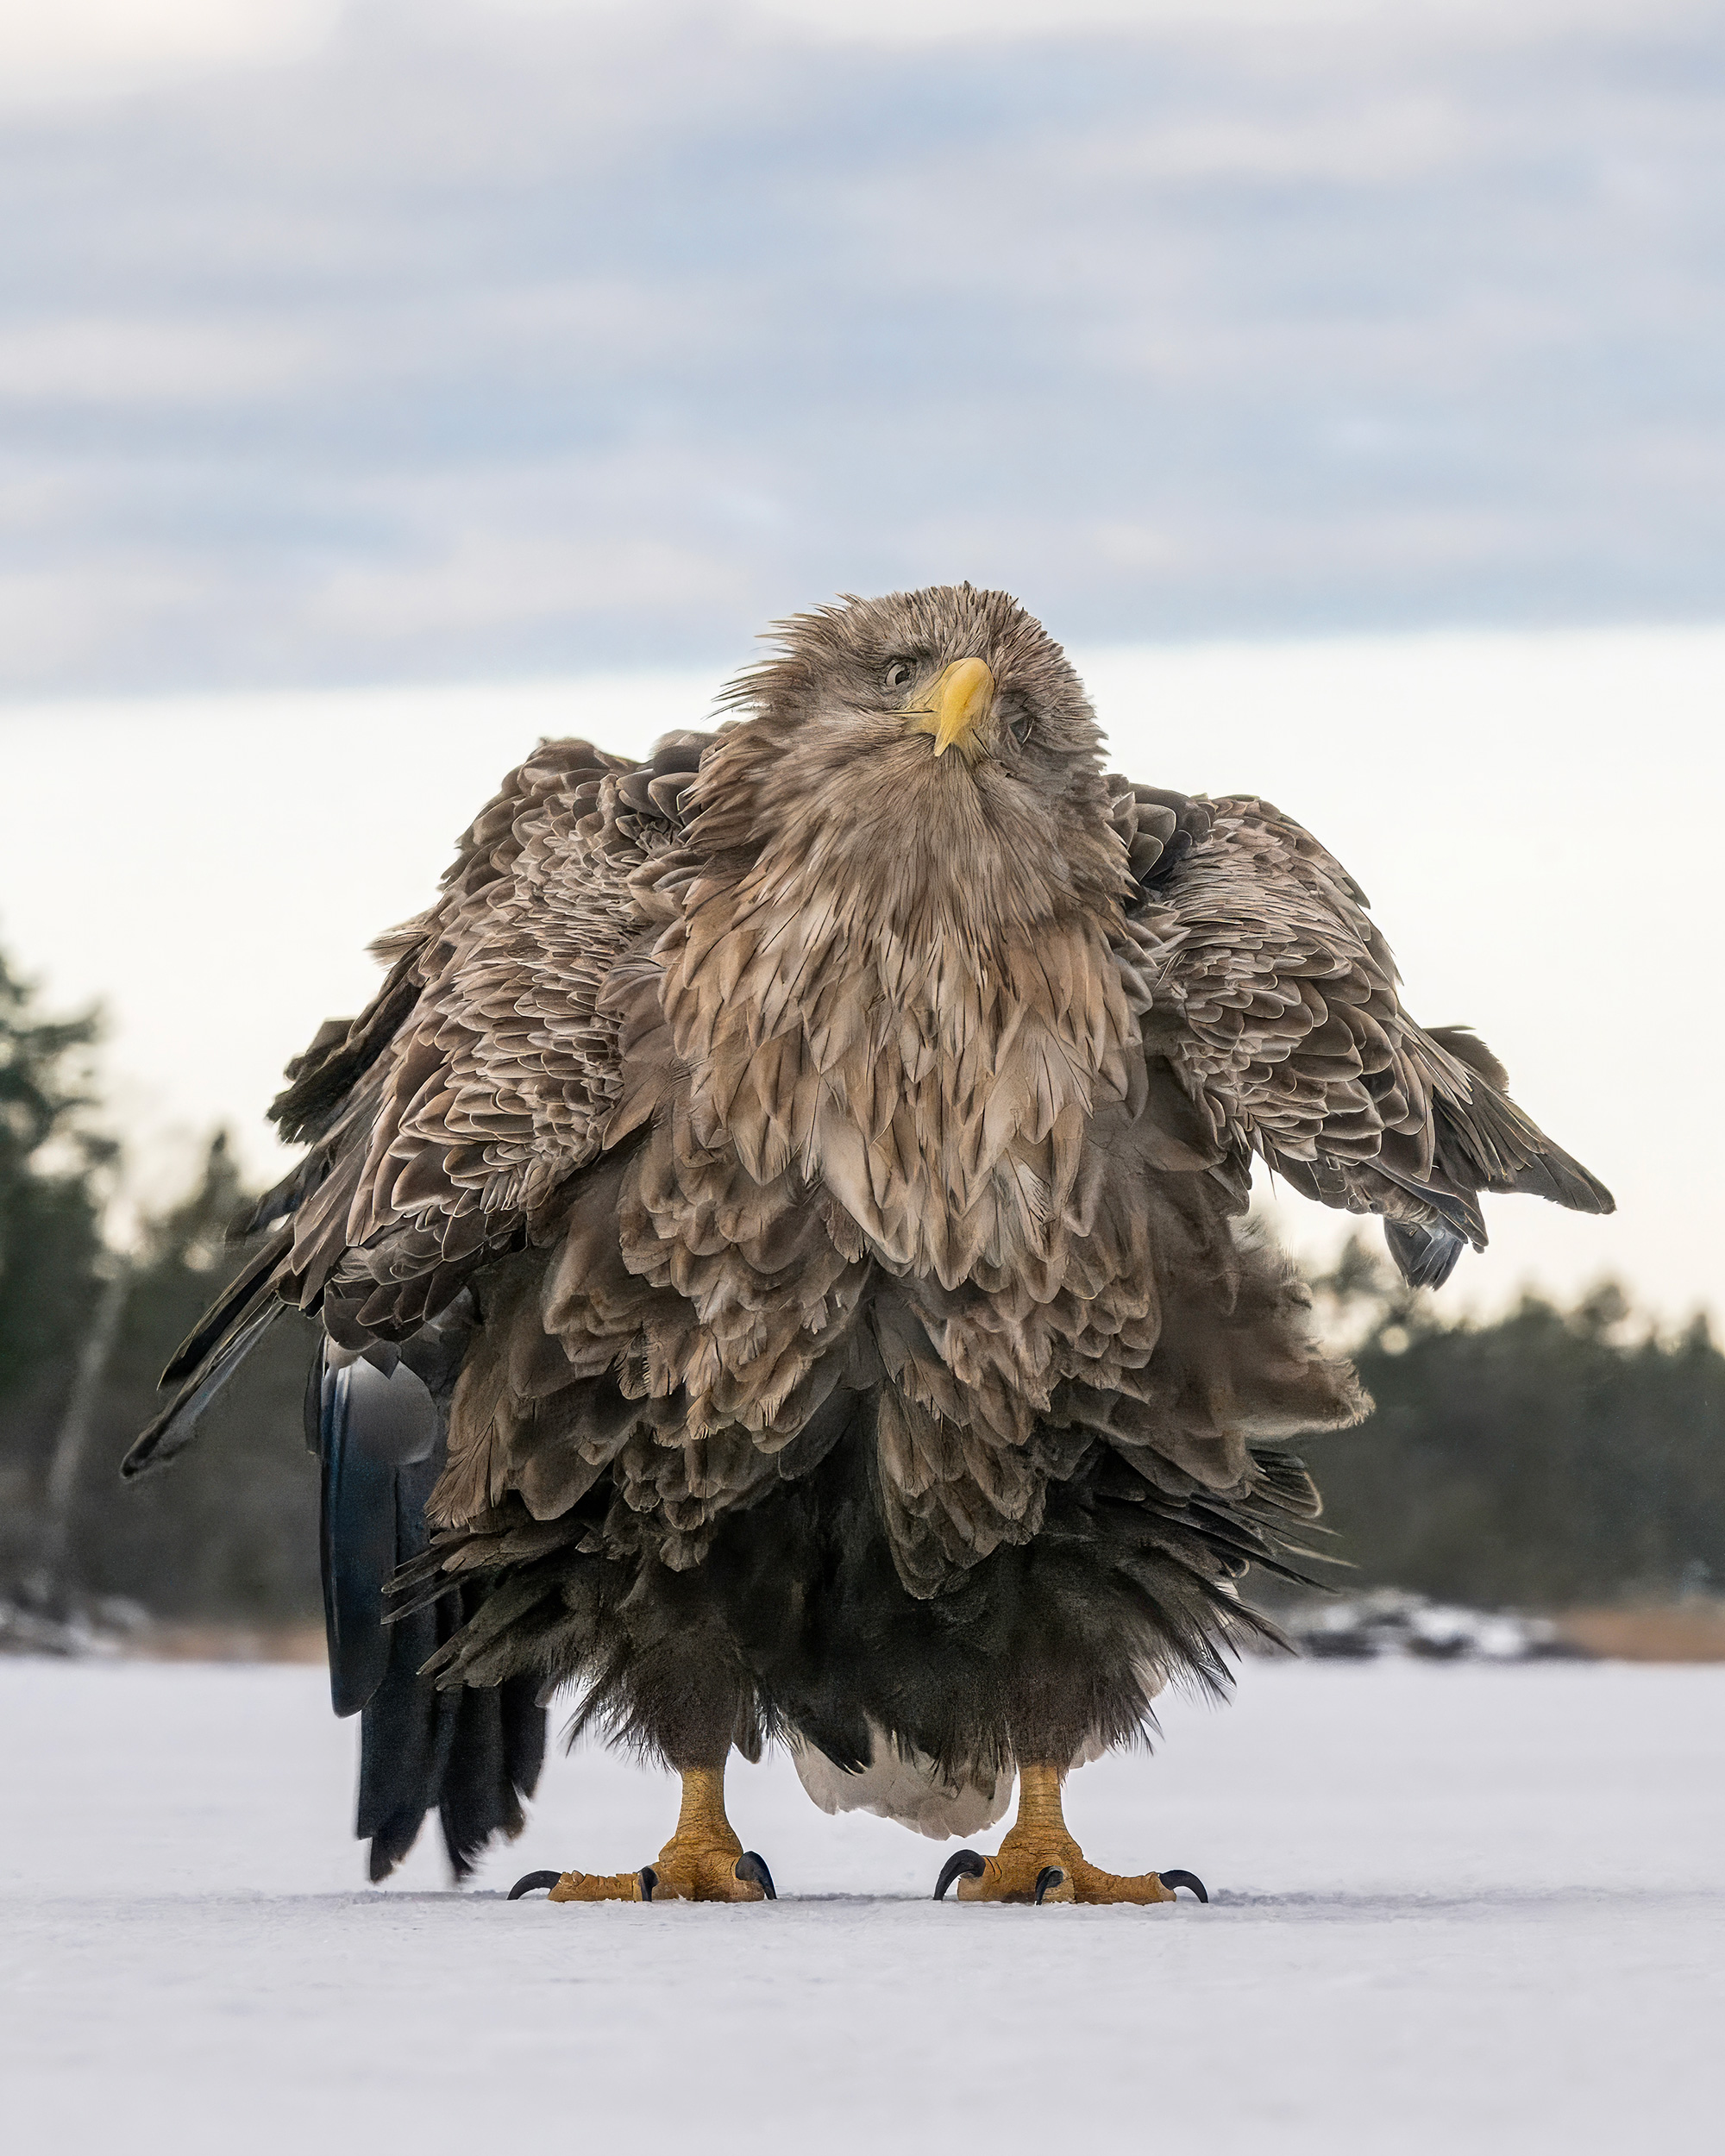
1466	1045
1489	1138
228	1312
167	1434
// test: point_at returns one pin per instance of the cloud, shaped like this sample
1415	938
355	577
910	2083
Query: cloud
132	362
79	48
465	338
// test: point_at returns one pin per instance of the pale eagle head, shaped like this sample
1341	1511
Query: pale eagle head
923	766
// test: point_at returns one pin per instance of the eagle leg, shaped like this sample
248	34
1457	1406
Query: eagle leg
1039	1861
702	1861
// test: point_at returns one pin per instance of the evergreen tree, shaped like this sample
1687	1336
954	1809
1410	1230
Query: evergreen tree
229	1534
50	1203
52	1164
1549	1458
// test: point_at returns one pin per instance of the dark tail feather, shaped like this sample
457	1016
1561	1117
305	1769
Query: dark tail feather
407	1737
493	1763
470	1755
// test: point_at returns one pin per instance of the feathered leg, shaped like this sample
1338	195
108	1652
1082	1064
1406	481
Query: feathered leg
1039	1861
702	1861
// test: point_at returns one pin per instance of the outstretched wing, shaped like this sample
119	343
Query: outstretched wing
496	1084
1274	998
445	1118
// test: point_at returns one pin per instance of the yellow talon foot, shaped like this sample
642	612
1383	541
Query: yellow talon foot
602	1886
717	1870
1016	1875
702	1861
1039	1861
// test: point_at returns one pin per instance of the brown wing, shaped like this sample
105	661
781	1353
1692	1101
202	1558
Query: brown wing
443	1120
448	1138
1275	998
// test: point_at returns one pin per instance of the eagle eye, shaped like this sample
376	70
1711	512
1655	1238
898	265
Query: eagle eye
1018	724
898	673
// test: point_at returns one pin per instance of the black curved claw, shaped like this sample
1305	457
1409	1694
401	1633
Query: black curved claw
1046	1880
1172	1879
963	1863
752	1868
532	1882
649	1879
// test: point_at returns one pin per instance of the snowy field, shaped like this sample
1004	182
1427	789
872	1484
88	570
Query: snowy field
1454	1908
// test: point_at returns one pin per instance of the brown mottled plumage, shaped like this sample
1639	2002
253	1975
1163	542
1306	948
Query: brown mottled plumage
805	1172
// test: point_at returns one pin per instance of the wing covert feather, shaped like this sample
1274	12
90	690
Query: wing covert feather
1276	1000
483	1075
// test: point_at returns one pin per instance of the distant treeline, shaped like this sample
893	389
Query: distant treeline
230	1531
1551	1459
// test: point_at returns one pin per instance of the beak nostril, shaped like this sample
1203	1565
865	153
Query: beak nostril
955	705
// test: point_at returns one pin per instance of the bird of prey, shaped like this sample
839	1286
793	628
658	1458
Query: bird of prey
778	1240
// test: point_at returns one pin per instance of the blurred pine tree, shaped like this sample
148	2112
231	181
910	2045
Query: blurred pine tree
1546	1460
51	1203
230	1533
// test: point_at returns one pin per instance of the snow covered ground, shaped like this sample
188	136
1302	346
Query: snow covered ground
1454	1908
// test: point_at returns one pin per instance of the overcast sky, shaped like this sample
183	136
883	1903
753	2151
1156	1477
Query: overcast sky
526	358
413	339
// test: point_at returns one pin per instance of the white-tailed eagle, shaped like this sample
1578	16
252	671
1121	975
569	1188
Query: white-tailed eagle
777	1235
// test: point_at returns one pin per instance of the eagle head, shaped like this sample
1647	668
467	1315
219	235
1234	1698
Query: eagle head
925	765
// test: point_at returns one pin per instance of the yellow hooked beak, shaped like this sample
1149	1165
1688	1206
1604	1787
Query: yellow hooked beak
954	705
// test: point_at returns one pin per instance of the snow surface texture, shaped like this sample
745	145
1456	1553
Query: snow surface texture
1454	1908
